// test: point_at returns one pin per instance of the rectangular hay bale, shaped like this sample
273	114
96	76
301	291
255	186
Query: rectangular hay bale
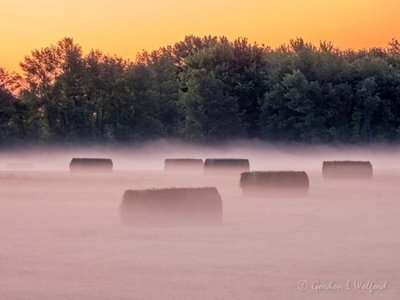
347	170
171	206
101	165
275	182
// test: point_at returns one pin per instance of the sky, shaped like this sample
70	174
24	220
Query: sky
125	27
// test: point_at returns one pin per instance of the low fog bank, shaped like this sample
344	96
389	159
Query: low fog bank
62	238
150	156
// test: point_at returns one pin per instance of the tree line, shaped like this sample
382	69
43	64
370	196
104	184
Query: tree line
204	89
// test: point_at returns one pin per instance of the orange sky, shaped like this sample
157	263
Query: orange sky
124	27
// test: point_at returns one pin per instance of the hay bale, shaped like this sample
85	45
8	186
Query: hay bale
171	206
347	170
226	166
280	182
183	165
91	165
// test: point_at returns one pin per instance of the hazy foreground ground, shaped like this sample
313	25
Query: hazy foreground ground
61	236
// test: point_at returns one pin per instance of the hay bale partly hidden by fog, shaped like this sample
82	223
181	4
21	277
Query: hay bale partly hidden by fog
226	166
183	165
172	206
91	165
281	182
347	170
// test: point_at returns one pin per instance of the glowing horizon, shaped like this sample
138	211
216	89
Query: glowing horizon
124	28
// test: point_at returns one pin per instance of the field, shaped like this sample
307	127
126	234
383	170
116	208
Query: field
61	236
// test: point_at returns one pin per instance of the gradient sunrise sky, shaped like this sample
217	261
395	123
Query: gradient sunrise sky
124	27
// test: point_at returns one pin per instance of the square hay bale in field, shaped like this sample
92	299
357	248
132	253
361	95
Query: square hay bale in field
259	183
227	166
183	165
172	206
344	170
96	165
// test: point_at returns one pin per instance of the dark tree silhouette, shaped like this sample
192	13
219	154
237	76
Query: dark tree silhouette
204	89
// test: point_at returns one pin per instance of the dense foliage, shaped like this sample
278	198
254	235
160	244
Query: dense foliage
204	89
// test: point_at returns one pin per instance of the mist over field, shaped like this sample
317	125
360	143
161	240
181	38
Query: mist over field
61	235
